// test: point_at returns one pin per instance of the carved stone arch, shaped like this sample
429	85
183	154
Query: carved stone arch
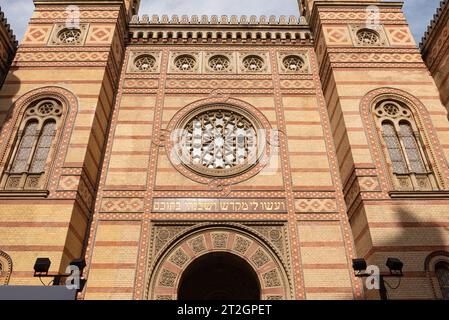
5	268
423	122
165	273
69	103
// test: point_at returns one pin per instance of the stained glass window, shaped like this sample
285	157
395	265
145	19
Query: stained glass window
394	148
43	148
26	146
33	148
411	148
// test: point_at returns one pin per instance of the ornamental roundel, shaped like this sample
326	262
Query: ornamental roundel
391	109
293	63
219	63
45	108
185	62
218	139
253	63
145	63
69	36
367	37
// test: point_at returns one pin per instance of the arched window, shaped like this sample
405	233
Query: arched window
5	268
29	158
442	274
393	145
404	150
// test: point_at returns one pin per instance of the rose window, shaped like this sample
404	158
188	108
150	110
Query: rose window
367	37
219	63
69	36
45	108
253	63
293	63
185	63
145	63
391	109
218	141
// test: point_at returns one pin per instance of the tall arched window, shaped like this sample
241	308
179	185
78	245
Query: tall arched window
404	150
30	156
5	268
442	274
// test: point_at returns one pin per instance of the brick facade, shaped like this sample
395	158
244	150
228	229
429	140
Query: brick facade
115	195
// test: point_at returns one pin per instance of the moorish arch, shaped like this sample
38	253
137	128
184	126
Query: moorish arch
238	248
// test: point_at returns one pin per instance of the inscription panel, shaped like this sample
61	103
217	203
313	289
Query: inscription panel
219	205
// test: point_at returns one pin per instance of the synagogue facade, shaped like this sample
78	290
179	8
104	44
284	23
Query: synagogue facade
224	157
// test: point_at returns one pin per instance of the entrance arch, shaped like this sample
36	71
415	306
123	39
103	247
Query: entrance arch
241	247
219	276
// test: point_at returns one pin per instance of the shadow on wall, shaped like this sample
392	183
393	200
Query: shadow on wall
8	92
412	237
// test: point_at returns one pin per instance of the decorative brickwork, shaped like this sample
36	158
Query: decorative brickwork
345	122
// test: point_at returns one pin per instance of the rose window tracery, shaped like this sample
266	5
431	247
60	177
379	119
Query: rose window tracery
368	37
219	141
145	63
185	63
69	36
253	63
293	63
219	63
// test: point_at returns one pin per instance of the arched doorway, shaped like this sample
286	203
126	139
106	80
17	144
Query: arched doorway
202	246
219	276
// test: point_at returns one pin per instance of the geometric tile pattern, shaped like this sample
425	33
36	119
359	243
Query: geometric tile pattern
122	205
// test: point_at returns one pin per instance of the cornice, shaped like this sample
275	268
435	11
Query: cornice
313	15
436	23
232	28
223	20
9	33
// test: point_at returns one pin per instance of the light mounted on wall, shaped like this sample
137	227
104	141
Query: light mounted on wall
395	267
359	266
42	266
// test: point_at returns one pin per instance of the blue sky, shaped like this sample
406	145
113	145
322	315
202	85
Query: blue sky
419	12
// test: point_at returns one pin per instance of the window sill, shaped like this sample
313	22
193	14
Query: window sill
419	194
15	194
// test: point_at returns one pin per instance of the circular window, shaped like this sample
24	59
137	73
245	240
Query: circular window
219	63
145	63
45	108
185	63
293	63
367	37
218	140
253	63
391	109
69	36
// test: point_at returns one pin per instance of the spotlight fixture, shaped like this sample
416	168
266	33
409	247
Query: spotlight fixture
80	263
42	265
395	265
359	265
